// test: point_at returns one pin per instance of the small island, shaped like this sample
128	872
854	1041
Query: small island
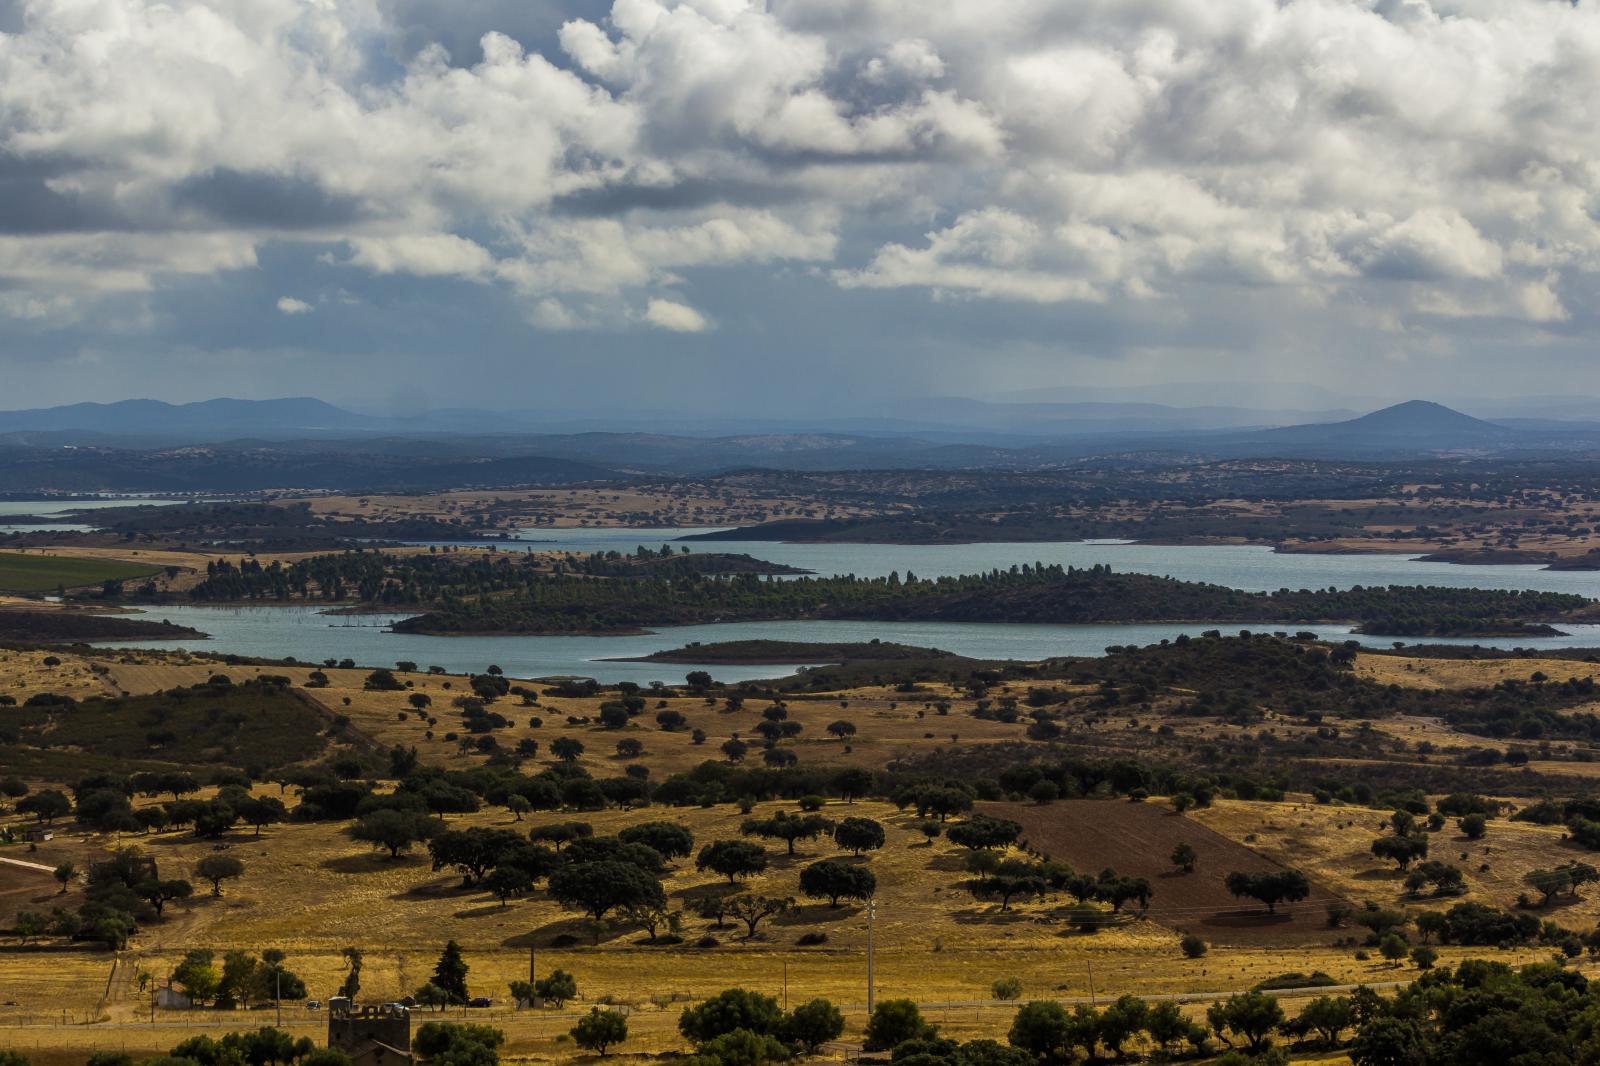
66	627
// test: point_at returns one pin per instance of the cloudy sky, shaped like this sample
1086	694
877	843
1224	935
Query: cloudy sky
795	205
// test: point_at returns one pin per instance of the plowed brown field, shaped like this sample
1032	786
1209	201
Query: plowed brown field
1136	840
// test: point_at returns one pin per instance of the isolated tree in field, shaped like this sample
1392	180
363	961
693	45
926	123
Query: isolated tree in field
600	1029
518	805
893	1022
218	868
1394	948
352	976
812	1024
753	910
556	988
1251	1015
64	873
567	749
732	859
858	834
599	887
1184	857
735	749
667	839
671	721
450	973
834	881
1401	849
842	729
981	832
158	893
1473	826
392	830
420	700
1281	886
730	1010
787	827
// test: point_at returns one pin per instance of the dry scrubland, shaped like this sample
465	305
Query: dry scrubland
682	504
311	890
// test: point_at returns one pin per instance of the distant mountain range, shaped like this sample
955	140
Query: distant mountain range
300	442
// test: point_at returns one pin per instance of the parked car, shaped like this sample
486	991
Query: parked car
480	1001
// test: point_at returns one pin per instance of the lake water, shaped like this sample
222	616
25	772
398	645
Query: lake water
1250	567
60	506
45	527
309	636
305	634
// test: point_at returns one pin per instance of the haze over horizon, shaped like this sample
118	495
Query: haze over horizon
714	205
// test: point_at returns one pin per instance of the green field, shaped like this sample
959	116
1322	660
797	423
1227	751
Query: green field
46	573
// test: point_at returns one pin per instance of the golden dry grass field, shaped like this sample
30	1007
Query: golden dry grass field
311	890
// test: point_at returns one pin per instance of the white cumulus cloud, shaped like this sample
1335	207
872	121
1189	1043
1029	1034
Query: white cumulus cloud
674	316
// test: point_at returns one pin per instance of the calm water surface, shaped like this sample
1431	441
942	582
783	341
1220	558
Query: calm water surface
306	635
303	633
1250	567
57	506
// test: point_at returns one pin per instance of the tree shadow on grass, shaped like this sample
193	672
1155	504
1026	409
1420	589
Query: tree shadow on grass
818	914
482	910
986	916
572	931
367	862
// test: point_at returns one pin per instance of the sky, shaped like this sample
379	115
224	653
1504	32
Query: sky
800	206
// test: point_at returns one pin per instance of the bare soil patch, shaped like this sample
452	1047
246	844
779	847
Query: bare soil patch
1136	839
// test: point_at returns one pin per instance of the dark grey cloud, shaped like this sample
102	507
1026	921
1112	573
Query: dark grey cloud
263	199
689	194
29	206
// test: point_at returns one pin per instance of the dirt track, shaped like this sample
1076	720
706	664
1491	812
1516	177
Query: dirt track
1136	839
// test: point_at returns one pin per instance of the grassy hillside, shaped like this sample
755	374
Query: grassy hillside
202	728
46	573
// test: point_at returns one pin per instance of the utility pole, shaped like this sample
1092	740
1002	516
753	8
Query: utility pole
872	913
1090	964
533	970
277	994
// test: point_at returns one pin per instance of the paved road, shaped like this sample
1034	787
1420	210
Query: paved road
28	865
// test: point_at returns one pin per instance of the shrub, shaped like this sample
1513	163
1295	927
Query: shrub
893	1022
1007	988
600	1029
1192	946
